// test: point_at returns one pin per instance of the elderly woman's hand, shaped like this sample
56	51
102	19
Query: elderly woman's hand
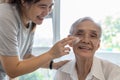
59	64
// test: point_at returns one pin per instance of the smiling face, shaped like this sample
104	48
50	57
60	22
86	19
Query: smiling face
89	35
36	12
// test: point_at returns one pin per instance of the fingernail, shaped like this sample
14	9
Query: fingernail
67	50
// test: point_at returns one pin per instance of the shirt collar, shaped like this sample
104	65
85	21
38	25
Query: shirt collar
70	69
96	70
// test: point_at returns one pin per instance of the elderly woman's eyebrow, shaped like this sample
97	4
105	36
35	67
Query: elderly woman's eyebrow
80	30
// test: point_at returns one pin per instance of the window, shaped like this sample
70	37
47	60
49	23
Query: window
44	34
106	12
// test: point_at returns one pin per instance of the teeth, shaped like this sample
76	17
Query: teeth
83	47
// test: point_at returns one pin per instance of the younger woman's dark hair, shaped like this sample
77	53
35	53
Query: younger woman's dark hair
18	3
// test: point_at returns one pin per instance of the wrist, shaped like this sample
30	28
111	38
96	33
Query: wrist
51	54
51	64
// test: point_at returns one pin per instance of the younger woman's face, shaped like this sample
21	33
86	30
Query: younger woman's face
36	12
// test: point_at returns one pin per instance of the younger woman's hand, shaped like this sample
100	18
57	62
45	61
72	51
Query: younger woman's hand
60	49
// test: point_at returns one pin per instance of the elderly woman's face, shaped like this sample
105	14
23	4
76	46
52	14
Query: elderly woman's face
89	42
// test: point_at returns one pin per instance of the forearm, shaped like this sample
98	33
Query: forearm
14	67
55	65
17	67
45	65
34	63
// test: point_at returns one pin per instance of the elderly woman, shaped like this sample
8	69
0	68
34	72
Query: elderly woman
86	66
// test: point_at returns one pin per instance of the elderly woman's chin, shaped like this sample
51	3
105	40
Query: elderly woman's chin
85	54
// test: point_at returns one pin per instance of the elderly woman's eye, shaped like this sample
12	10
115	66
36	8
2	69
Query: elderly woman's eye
94	35
78	35
43	7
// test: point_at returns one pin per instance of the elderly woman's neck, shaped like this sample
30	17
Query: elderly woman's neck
83	67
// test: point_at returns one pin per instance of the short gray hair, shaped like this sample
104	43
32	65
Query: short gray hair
77	22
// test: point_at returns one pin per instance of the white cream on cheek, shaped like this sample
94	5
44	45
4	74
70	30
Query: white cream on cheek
76	41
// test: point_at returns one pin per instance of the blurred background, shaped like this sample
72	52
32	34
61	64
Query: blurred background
56	26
